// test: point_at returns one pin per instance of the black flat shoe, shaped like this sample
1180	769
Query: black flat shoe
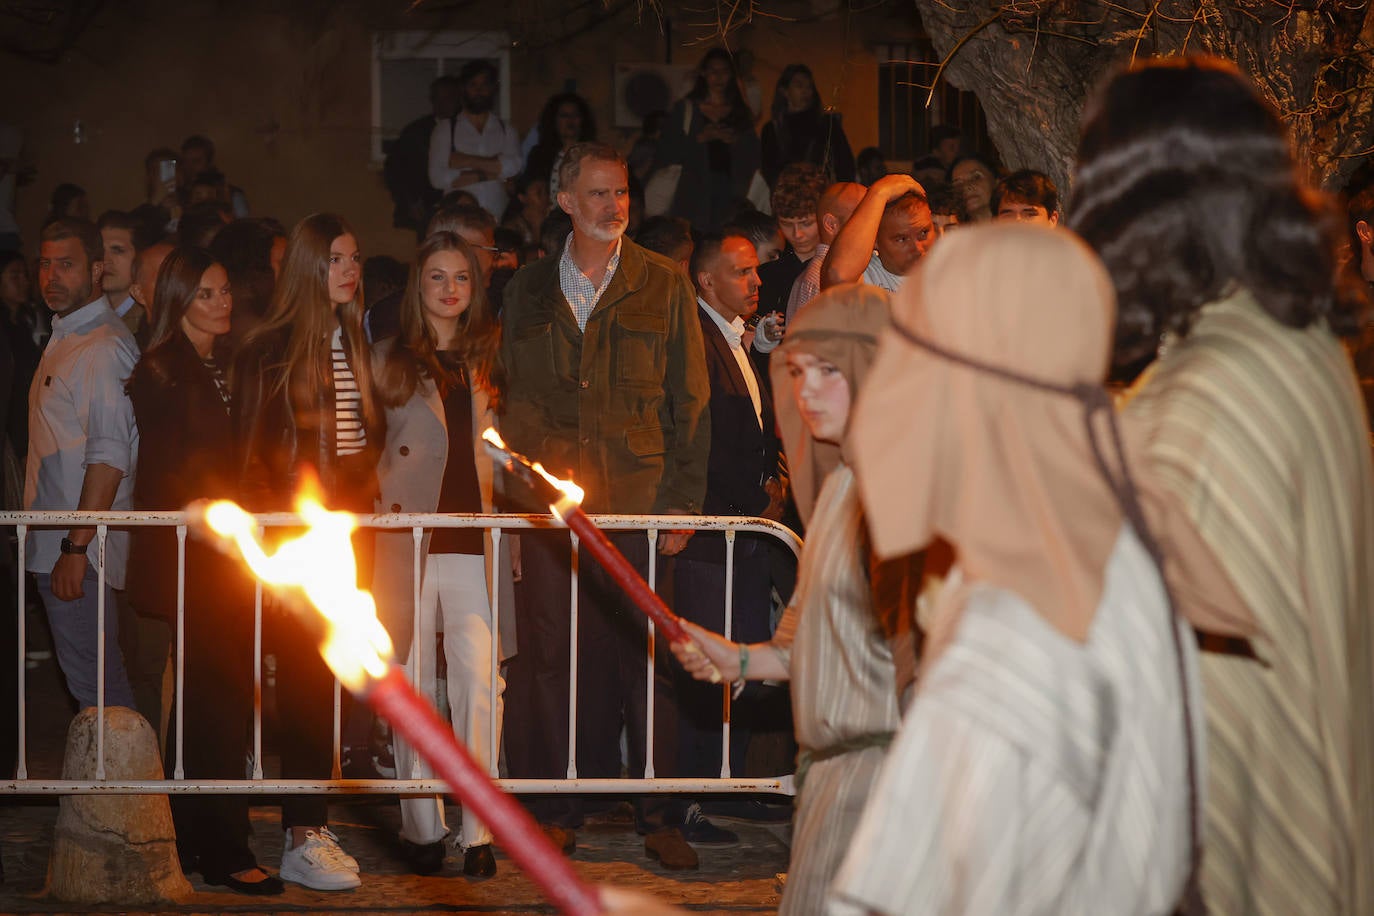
479	862
271	886
424	858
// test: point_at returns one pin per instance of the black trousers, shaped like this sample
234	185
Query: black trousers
213	830
699	596
612	680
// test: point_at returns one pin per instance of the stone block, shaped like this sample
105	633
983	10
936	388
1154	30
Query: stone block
118	849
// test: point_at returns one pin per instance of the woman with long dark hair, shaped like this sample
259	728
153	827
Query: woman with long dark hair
438	382
710	135
181	402
801	131
565	120
305	415
1225	266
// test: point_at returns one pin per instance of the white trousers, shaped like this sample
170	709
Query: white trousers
456	586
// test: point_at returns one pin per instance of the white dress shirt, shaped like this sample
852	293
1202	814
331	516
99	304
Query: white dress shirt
79	415
734	333
496	138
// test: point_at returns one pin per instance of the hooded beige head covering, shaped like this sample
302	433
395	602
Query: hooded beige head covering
840	326
1003	471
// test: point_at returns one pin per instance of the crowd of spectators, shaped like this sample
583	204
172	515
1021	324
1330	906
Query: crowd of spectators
616	317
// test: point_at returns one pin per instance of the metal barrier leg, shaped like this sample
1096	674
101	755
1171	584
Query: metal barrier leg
100	636
179	694
495	579
257	682
572	662
649	655
22	532
729	634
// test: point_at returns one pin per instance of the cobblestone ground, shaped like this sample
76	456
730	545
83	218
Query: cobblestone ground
742	878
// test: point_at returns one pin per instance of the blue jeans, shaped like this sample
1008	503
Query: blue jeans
75	637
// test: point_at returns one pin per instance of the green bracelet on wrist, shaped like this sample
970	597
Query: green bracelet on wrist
743	660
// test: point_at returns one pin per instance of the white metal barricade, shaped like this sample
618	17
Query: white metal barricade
499	525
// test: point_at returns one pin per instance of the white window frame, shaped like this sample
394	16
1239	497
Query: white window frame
447	49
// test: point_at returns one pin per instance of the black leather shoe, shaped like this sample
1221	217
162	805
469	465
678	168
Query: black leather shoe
270	886
479	862
424	858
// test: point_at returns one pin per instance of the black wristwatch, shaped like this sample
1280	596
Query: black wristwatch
68	547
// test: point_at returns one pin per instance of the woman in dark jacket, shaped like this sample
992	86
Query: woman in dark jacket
801	131
181	403
304	416
710	134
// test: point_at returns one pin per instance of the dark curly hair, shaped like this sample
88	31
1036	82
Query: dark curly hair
1186	185
797	192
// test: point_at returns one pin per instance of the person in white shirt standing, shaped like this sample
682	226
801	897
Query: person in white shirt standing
83	444
475	150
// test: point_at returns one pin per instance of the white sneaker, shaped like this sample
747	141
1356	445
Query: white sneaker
318	864
333	839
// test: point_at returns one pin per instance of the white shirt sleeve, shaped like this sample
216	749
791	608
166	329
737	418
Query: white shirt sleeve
440	175
511	160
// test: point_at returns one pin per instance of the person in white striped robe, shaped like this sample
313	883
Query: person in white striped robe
1255	422
1050	760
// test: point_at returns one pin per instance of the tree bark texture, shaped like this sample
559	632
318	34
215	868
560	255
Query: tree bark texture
1034	63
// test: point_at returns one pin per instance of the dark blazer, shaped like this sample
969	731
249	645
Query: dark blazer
186	452
743	455
280	440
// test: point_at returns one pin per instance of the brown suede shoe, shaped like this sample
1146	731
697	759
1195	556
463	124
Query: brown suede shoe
562	838
670	848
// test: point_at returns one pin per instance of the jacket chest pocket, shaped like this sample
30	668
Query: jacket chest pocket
640	342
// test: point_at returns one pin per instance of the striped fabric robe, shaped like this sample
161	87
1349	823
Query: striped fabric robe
843	684
1259	429
1033	775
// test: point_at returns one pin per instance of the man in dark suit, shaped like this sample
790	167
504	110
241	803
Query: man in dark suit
745	477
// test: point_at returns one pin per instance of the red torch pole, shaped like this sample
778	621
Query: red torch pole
568	510
625	575
415	720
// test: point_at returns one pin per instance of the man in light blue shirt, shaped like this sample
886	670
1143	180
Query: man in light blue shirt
83	445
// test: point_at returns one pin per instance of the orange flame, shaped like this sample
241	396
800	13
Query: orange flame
321	564
572	493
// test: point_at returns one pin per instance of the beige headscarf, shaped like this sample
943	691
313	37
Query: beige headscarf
840	326
1003	471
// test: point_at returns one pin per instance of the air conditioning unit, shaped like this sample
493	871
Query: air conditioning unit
644	88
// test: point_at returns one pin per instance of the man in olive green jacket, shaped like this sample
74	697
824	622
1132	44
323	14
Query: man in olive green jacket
607	384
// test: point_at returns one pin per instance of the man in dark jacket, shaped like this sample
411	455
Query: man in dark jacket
745	476
606	384
407	164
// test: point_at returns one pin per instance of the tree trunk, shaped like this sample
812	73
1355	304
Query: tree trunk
1033	65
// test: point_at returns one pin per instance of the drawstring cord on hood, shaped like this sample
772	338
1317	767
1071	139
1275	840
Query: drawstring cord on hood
1096	400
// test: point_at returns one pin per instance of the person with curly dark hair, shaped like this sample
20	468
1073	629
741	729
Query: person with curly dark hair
1225	261
565	120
